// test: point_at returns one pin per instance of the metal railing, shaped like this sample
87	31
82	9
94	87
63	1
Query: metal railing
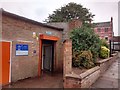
114	46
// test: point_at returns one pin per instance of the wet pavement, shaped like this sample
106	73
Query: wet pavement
110	78
46	81
107	80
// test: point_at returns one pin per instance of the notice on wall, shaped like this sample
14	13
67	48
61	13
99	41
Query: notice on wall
48	32
21	49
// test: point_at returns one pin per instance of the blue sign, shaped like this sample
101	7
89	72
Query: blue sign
48	32
21	49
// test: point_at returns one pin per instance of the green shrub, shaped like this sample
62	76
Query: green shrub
75	59
84	59
84	39
104	52
103	42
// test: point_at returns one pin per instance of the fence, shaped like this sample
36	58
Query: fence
114	44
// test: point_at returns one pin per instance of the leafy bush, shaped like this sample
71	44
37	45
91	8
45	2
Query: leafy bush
76	59
84	59
103	42
104	52
84	39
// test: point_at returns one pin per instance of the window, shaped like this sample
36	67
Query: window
106	29
98	29
106	38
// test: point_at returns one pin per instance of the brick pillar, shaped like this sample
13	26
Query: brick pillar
67	57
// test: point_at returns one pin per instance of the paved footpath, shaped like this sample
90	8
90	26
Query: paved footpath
110	78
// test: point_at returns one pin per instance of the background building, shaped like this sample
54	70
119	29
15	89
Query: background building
104	30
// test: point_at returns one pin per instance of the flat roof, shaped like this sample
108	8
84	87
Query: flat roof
28	20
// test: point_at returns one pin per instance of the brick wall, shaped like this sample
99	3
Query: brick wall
68	26
106	63
82	80
75	23
72	79
102	34
62	25
19	31
25	66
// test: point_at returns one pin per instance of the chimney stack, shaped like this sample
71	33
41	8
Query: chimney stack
112	26
75	23
111	19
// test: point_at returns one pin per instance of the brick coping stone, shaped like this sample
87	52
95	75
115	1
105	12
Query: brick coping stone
107	59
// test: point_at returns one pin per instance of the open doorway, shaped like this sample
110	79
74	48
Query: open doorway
47	55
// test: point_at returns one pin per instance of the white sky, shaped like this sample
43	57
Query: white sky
39	10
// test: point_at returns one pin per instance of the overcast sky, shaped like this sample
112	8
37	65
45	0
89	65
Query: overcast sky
39	10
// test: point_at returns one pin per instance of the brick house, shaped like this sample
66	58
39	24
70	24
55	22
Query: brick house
104	30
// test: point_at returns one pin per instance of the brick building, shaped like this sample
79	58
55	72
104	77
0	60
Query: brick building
104	29
67	26
29	48
115	43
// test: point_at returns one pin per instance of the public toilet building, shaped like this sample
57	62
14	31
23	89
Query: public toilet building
28	48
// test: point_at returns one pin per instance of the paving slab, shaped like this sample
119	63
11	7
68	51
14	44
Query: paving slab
45	81
110	78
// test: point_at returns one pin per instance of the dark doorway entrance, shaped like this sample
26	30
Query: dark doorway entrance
47	39
47	56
